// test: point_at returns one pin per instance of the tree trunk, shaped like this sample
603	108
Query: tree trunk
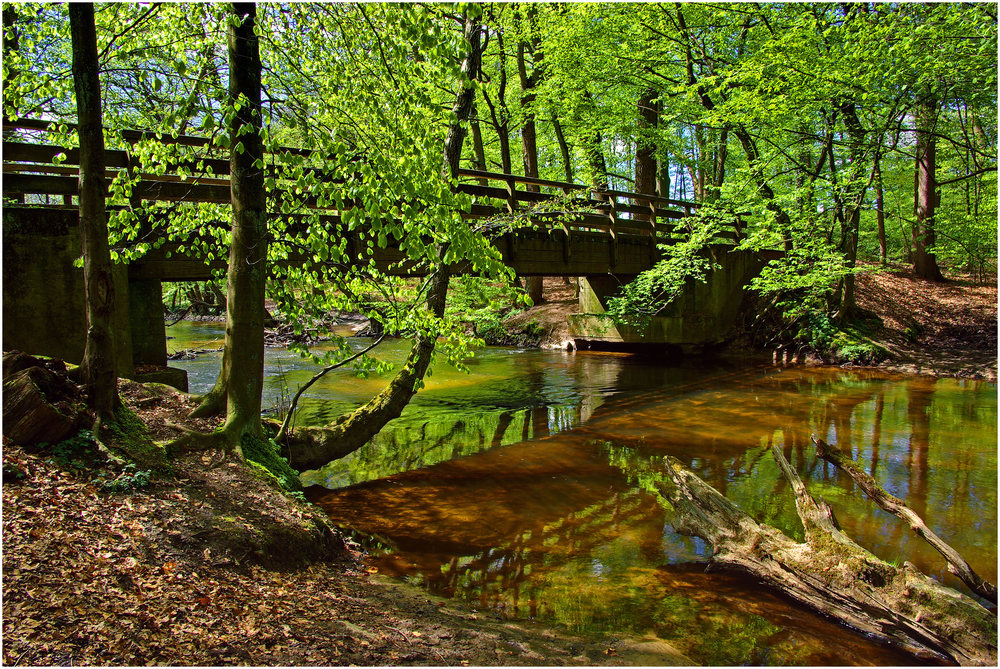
309	448
499	113
663	177
313	447
563	148
853	199
529	145
831	574
241	379
478	151
925	190
880	212
99	362
645	149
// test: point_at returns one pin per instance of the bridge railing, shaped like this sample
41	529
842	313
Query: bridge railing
35	173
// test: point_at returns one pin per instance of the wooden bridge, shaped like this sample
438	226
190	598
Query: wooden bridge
604	236
587	231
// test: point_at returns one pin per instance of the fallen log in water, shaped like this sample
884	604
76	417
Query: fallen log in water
890	503
833	575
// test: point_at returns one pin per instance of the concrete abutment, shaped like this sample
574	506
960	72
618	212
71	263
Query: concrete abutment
44	303
702	316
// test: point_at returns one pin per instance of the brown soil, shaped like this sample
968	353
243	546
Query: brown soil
210	566
560	300
943	329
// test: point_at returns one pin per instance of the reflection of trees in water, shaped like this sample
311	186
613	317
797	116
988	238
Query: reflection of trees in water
409	445
920	392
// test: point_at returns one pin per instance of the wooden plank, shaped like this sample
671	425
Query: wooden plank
37	184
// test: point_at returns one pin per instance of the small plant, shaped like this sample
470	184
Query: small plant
283	400
131	479
78	452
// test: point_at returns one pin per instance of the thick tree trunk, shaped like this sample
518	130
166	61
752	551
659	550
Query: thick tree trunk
831	574
309	448
99	362
925	191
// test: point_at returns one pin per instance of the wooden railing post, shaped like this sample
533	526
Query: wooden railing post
511	191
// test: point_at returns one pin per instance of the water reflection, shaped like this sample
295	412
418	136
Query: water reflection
569	527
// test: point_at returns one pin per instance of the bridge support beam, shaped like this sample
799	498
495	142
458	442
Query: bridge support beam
703	314
44	303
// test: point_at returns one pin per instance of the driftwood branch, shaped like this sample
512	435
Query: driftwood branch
956	563
831	574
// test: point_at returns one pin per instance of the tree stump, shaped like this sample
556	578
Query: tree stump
40	407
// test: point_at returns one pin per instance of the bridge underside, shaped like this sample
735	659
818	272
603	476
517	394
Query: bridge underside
43	291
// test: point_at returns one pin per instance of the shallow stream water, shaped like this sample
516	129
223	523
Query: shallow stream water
528	487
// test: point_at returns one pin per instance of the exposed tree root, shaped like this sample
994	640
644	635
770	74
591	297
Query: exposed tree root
831	574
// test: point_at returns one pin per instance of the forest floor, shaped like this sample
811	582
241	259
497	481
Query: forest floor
943	329
210	566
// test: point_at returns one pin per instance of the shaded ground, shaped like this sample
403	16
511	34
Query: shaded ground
560	300
212	567
945	329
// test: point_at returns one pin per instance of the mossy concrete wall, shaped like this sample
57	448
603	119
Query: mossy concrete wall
703	314
43	294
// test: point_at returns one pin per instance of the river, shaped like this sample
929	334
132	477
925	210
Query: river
527	486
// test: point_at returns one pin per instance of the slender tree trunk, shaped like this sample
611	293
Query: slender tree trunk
563	148
478	151
925	191
854	194
529	147
719	171
663	177
880	212
99	362
241	378
498	112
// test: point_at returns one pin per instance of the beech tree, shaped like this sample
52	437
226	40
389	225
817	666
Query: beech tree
242	376
99	364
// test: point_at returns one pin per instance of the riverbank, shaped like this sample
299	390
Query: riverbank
938	329
210	566
941	329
